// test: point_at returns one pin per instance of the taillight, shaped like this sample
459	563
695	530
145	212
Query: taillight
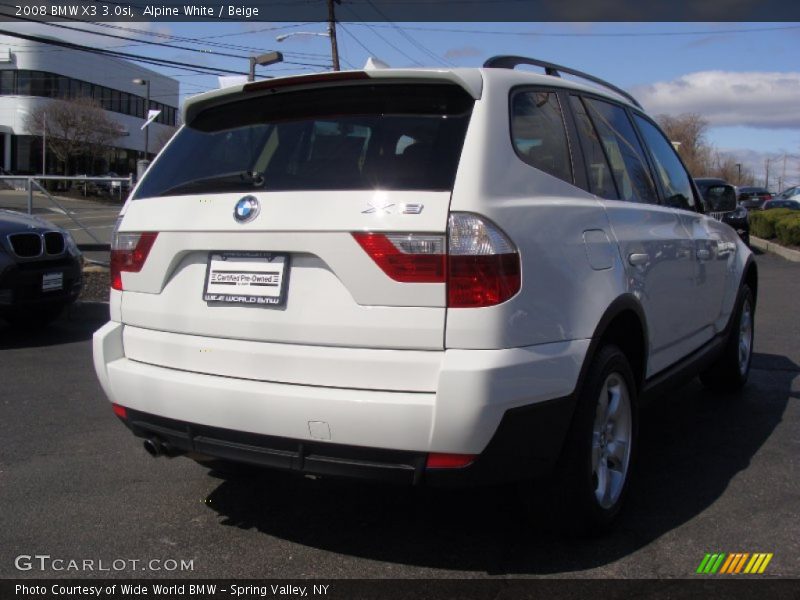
128	254
448	461
120	411
407	257
483	267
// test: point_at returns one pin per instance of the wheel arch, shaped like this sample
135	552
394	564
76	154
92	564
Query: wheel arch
623	324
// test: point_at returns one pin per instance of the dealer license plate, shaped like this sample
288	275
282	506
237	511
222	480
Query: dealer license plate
52	282
257	278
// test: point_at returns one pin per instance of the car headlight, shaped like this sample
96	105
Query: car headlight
740	212
72	247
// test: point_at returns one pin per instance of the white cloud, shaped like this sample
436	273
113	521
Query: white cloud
725	98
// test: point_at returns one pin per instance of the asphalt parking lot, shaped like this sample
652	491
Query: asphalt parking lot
716	474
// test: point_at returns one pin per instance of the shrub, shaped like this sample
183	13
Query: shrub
762	223
787	230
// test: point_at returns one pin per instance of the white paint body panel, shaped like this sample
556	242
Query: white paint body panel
466	392
386	364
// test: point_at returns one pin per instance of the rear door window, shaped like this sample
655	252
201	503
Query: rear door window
601	182
387	136
625	154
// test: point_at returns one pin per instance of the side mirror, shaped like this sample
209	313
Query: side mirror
721	198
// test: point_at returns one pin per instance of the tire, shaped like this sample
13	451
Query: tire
731	369
595	468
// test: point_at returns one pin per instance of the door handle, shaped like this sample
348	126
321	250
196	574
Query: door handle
703	254
637	259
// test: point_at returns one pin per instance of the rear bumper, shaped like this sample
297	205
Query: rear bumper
511	407
526	444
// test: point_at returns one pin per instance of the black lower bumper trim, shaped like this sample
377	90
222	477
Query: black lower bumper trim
314	458
527	444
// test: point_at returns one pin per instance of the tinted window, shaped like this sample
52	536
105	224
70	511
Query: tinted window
677	185
538	134
601	182
624	152
7	82
329	138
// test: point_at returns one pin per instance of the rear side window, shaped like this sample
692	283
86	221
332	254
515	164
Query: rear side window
387	136
538	132
624	152
674	178
601	182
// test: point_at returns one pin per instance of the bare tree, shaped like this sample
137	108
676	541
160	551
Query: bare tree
689	131
75	127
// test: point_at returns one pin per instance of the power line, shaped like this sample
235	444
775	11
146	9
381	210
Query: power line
385	40
410	39
205	40
151	60
143	42
591	34
117	54
357	41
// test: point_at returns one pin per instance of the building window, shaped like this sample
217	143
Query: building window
50	85
7	83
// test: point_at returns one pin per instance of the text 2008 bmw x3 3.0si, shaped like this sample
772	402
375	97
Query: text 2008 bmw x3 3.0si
420	276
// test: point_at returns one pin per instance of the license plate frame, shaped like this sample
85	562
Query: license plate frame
249	280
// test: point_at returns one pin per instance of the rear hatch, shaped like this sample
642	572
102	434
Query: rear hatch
251	224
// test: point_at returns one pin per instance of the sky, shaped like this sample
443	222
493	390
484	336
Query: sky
743	78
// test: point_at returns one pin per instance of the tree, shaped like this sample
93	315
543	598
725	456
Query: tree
689	131
74	128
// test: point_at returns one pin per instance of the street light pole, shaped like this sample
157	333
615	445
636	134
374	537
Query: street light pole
269	58
146	83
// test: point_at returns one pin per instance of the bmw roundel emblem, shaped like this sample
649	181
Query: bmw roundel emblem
246	209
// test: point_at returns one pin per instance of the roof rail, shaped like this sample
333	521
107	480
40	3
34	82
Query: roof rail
509	62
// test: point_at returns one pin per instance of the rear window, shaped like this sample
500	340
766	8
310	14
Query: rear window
387	136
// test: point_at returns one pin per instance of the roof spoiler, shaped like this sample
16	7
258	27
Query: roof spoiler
554	70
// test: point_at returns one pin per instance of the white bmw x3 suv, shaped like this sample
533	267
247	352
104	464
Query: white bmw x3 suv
421	276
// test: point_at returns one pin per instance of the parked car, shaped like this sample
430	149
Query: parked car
790	203
721	199
112	188
431	277
40	269
752	198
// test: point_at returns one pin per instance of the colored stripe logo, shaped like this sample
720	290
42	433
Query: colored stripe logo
734	563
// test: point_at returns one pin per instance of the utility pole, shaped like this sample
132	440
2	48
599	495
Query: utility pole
44	143
783	175
766	178
332	33
739	178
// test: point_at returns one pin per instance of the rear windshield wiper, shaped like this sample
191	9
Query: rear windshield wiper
235	181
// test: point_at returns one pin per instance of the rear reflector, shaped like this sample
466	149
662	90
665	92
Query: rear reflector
128	254
449	461
120	411
409	258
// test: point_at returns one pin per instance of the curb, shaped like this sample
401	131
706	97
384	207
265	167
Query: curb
82	309
782	251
